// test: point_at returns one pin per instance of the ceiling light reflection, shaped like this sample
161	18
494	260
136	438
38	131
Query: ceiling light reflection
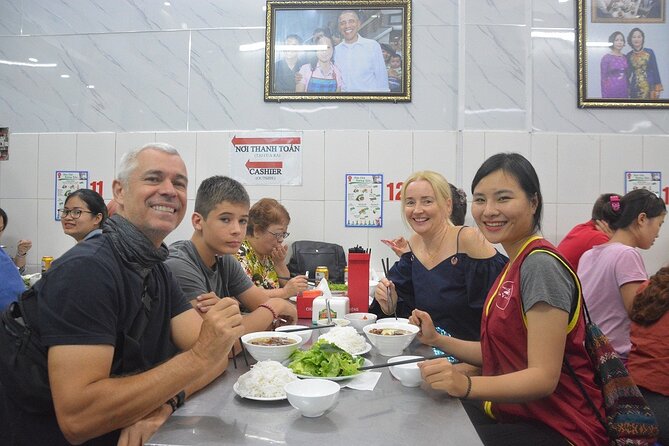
314	110
562	35
255	46
27	64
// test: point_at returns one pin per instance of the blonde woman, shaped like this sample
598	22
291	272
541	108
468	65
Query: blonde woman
448	269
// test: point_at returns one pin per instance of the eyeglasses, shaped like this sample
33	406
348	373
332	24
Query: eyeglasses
75	213
280	236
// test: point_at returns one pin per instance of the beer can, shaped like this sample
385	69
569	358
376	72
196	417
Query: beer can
346	274
46	263
321	273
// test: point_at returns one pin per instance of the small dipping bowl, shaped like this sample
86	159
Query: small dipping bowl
337	321
359	320
408	374
312	397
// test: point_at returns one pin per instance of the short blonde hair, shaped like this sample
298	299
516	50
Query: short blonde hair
442	190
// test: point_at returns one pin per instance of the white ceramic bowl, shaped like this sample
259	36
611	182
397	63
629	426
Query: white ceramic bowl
408	374
312	397
359	320
274	352
391	345
305	335
392	320
337	321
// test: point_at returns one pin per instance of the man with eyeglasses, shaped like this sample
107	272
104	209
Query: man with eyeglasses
114	380
205	266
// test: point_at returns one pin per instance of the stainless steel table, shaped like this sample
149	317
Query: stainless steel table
390	415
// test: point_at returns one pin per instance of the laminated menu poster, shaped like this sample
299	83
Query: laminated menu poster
364	200
4	143
651	181
67	181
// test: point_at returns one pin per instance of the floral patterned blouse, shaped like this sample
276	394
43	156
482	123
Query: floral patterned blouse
260	271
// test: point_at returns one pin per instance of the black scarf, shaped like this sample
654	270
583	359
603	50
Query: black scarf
133	246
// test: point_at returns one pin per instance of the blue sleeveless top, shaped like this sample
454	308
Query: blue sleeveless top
452	293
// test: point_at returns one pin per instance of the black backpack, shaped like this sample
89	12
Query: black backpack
308	255
23	359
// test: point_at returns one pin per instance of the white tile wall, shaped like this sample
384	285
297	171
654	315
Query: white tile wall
618	154
578	164
96	152
57	151
18	175
573	168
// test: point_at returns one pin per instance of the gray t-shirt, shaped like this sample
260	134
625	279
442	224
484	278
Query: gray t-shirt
226	279
543	278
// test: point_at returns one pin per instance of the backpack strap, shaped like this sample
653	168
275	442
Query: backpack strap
591	403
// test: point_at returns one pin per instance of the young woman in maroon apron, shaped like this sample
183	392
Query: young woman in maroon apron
532	319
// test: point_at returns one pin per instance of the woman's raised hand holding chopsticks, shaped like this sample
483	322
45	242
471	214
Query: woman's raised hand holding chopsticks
387	301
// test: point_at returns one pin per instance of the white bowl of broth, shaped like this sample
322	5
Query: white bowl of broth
390	339
277	346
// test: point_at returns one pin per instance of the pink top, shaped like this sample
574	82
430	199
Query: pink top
305	71
603	270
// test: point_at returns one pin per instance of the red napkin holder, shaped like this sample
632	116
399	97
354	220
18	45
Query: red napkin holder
358	282
305	302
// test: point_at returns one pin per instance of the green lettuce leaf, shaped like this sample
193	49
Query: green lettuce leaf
324	359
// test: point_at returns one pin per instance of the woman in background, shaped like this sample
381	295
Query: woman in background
614	69
448	269
531	321
644	78
321	75
584	236
83	214
11	285
263	254
22	247
611	273
648	361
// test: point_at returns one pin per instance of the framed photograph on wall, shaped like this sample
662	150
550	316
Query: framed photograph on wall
622	59
339	50
628	11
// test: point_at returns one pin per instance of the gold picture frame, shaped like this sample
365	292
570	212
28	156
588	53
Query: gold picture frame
339	50
620	61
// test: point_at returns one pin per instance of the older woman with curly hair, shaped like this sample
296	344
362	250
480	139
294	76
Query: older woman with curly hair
648	361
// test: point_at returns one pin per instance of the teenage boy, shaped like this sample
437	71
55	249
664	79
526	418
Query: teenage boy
205	265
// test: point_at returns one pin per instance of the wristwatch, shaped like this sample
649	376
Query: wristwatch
177	400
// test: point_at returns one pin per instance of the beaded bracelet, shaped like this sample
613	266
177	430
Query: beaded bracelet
275	317
469	387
